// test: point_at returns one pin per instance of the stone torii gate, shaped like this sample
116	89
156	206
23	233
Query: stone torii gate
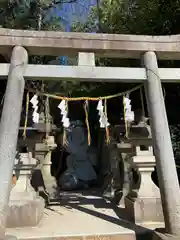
19	44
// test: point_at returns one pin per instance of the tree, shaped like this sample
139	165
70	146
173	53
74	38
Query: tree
35	15
24	14
154	17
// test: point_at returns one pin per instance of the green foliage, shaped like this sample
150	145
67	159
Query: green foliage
33	15
22	15
155	17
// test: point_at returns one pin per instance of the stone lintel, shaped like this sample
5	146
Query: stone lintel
106	45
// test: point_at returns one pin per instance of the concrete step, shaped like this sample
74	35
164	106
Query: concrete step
83	216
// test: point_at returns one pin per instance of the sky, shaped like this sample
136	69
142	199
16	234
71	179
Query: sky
77	11
72	12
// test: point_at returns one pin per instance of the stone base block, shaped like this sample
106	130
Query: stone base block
161	236
25	212
141	210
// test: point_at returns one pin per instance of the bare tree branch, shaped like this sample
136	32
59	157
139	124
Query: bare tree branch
59	2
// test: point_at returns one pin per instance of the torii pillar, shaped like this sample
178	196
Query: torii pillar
9	128
166	168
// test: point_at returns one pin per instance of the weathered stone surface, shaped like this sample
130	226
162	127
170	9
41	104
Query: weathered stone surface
43	153
161	236
25	207
8	237
111	45
144	209
25	211
147	206
165	163
124	236
9	126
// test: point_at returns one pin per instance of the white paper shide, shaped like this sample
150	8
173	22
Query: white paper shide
34	101
63	107
102	116
129	114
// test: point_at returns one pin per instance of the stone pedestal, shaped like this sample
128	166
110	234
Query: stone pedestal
147	206
43	153
25	207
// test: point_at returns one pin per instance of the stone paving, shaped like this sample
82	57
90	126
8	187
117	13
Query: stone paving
79	216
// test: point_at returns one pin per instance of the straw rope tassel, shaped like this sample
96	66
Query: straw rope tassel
107	128
142	102
87	121
64	136
26	117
